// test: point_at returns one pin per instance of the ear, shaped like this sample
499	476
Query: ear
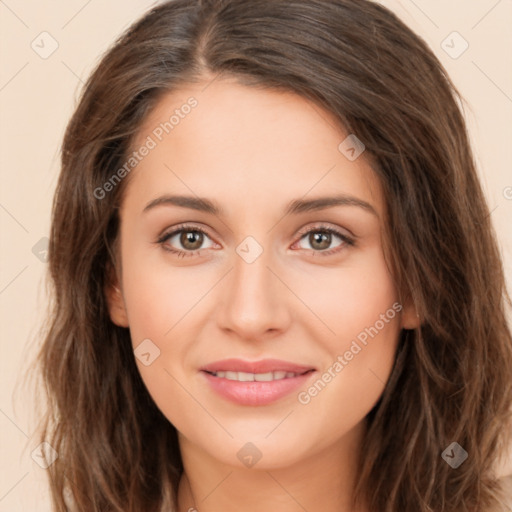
115	299
410	318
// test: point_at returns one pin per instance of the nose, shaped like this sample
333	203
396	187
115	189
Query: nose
254	303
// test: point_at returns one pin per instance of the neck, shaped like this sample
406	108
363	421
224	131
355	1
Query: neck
323	481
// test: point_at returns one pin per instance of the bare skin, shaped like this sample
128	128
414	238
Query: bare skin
253	151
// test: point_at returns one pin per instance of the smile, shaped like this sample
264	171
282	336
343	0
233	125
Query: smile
255	383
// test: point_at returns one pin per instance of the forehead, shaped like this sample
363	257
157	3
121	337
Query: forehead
232	140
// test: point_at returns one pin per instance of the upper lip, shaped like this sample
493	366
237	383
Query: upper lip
261	366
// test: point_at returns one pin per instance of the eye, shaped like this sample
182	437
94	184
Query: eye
320	239
189	239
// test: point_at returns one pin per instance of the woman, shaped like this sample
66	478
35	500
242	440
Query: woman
204	352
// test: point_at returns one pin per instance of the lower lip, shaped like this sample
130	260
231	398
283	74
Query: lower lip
254	392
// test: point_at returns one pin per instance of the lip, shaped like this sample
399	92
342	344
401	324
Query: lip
256	393
261	366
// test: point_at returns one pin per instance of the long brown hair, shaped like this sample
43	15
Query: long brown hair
452	376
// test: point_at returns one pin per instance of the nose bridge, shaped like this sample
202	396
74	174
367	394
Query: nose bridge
252	301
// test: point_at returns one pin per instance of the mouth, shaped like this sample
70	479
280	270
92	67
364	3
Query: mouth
255	383
257	377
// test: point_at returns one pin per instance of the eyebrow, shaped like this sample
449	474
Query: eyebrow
296	206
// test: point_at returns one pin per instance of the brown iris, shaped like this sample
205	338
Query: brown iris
322	238
194	238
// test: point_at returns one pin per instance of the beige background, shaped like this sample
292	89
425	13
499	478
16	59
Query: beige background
37	97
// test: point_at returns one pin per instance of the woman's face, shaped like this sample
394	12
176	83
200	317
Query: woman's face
261	278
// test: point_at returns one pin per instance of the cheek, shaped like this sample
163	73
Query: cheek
351	298
165	305
159	296
359	304
162	305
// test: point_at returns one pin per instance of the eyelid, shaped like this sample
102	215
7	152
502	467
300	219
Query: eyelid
327	227
183	227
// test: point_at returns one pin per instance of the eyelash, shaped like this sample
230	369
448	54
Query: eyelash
191	228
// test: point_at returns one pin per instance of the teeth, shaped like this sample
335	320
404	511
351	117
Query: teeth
259	377
244	377
264	377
